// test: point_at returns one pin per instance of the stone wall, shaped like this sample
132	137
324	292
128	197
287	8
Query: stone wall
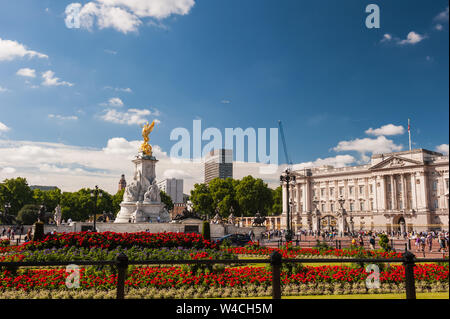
217	230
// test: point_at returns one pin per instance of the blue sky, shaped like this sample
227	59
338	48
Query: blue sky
313	65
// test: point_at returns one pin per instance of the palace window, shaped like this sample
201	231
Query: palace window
352	206
332	207
341	191
322	192
361	190
371	188
371	205
361	206
436	204
331	191
435	185
323	207
350	190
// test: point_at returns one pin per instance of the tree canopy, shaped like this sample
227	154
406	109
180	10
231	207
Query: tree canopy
78	206
247	197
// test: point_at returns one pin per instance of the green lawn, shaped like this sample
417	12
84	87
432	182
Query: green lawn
428	295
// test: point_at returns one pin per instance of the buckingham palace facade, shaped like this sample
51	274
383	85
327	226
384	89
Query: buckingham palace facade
399	191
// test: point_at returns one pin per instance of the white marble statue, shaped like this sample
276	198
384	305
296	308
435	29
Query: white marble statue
153	194
138	215
57	216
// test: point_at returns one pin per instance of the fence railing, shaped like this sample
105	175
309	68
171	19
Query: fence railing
276	261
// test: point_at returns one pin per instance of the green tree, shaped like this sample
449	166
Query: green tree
49	198
202	200
16	192
277	207
28	215
224	196
116	200
166	200
253	195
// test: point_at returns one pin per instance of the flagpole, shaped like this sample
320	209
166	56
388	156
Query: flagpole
409	134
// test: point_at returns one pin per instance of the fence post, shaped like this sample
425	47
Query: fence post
122	266
409	244
275	262
409	275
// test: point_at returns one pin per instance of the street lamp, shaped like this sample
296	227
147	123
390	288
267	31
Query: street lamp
95	193
6	214
288	177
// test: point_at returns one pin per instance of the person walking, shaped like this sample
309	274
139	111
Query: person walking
430	242
372	242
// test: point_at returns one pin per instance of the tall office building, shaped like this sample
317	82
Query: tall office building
219	163
174	188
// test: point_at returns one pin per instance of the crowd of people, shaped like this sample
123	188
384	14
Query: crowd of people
15	232
422	241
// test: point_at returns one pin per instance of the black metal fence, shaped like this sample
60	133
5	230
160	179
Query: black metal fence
396	245
276	260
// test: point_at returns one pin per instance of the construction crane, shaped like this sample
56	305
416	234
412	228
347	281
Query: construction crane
284	146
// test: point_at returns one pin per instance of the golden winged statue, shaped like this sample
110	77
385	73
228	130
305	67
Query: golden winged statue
146	130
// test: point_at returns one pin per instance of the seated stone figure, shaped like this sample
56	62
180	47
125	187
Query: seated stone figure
153	194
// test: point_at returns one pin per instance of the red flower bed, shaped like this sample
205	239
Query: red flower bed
168	277
298	252
110	240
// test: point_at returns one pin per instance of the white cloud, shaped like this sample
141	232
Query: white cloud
126	90
176	173
412	38
63	118
27	72
110	51
51	80
10	50
225	101
158	9
367	145
389	129
443	148
3	127
8	170
443	16
439	27
2	89
115	102
119	145
386	37
125	15
129	117
337	161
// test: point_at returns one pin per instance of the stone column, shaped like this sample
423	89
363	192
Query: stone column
413	191
283	197
308	196
393	192
422	192
405	192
